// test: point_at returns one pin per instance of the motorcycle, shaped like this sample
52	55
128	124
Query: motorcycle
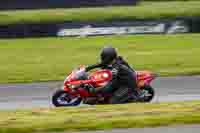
76	86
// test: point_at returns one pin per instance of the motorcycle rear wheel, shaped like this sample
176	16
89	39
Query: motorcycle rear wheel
62	99
149	93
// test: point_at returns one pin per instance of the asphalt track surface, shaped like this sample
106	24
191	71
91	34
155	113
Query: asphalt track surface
18	96
172	129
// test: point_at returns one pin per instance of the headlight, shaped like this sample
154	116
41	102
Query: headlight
105	75
73	86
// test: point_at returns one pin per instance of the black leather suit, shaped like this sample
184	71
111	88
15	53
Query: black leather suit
123	83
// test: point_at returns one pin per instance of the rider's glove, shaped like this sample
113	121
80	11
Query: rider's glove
82	70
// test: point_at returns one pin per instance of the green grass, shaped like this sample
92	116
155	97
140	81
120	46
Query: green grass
27	60
146	10
99	117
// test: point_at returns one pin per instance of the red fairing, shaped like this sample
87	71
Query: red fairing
79	83
75	82
67	89
69	78
101	77
145	77
81	92
98	78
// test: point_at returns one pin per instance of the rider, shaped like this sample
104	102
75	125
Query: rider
123	83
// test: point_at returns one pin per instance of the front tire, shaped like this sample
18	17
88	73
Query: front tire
63	99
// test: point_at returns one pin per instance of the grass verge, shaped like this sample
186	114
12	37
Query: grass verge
28	60
148	10
99	117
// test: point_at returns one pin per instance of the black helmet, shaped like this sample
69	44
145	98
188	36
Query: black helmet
108	54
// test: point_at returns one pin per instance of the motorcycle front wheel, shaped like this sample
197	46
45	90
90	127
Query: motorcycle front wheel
63	99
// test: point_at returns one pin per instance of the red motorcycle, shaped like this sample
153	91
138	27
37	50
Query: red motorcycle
76	85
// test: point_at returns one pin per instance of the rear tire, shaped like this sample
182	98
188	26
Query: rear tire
62	99
149	93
